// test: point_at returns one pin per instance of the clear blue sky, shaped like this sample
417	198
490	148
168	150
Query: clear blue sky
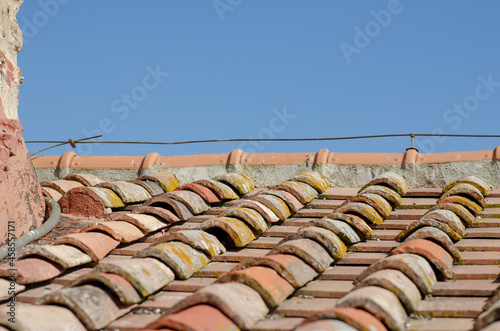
174	70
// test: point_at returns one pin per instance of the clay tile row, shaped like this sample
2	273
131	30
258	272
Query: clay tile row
489	319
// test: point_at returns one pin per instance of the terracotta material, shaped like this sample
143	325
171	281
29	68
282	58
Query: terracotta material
147	223
327	239
434	254
62	186
398	283
309	251
82	301
471	206
180	161
277	205
239	233
222	191
374	200
290	267
358	318
314	179
9	288
326	325
268	283
97	245
199	240
178	208
51	193
391	179
84	179
118	285
108	197
251	217
152	187
63	255
414	266
390	195
164	214
239	182
240	303
291	201
365	158
191	200
31	270
147	275
303	192
413	227
166	180
478	183
356	222
199	317
38	317
363	209
447	217
381	303
467	218
468	190
207	194
119	230
439	237
264	211
181	258
128	192
343	230
82	202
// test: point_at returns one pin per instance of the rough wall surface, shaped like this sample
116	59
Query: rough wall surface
20	195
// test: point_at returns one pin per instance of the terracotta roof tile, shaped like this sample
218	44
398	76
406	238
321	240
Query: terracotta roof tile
166	180
221	190
326	325
342	229
356	222
128	192
237	231
467	190
239	182
292	202
393	197
107	196
207	194
190	199
51	193
392	180
364	210
200	240
177	207
302	191
358	318
32	270
308	250
84	179
375	201
275	204
250	216
124	232
326	238
147	223
162	213
152	187
62	185
314	179
480	184
64	255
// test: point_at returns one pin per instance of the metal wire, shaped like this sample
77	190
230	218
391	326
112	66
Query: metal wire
84	140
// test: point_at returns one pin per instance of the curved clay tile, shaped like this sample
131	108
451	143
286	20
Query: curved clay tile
291	201
51	193
237	230
239	182
207	194
390	179
62	186
414	226
277	205
303	192
119	230
439	237
201	240
96	244
109	197
147	223
447	217
249	216
308	250
362	209
471	206
314	179
356	222
480	184
166	215
191	200
376	201
264	211
390	195
357	318
165	179
222	191
83	202
466	217
468	190
343	230
128	192
177	207
64	255
152	187
85	179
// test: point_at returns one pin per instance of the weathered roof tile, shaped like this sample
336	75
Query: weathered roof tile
239	233
177	207
191	200
128	192
207	194
221	190
97	245
302	191
200	240
165	179
392	180
313	179
239	182
363	209
64	255
119	230
277	205
358	318
326	238
84	179
309	251
250	216
342	229
264	211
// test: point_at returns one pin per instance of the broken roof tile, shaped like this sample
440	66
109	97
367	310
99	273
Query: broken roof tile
277	205
326	238
109	197
165	179
97	245
392	180
291	201
343	230
437	236
243	305
32	270
119	230
147	223
374	200
293	269
434	254
239	182
356	222
302	191
363	209
480	184
267	213
177	207
166	215
191	200
358	318
308	250
249	216
388	194
201	240
64	255
152	187
314	179
468	190
380	302
221	190
82	202
92	305
84	179
146	274
198	317
239	233
128	192
183	259
62	186
396	282
207	194
118	285
38	317
273	288
414	266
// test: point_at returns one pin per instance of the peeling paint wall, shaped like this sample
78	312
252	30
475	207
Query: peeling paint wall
21	200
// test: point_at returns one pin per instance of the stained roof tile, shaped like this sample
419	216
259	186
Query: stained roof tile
200	240
84	179
309	251
207	194
128	192
314	179
190	199
177	207
326	238
166	180
239	182
358	318
342	229
119	230
97	245
302	191
393	197
277	205
63	255
221	190
239	233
